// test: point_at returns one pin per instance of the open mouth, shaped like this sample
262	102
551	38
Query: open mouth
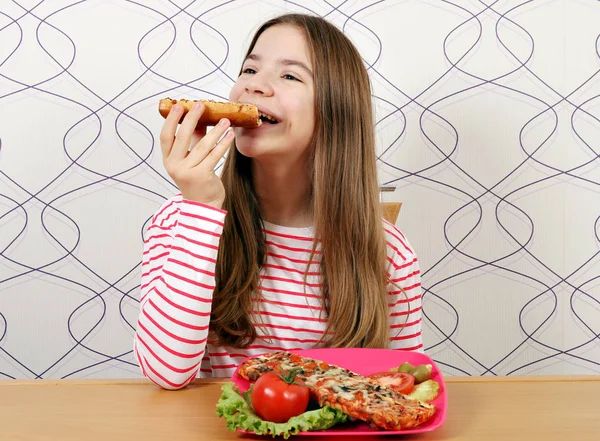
267	118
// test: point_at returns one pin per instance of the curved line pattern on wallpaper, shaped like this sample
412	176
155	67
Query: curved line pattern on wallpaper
69	295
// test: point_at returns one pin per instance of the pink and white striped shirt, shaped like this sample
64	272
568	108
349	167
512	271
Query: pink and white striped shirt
173	343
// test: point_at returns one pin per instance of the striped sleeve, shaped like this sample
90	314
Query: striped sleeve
178	265
404	304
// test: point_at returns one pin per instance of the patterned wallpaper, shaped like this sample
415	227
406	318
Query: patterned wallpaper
487	123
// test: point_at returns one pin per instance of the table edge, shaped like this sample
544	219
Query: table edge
205	381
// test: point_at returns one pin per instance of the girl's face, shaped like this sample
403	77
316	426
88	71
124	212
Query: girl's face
277	77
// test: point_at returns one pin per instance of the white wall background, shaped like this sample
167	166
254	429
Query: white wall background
488	125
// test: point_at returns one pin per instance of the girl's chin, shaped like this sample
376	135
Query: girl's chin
254	147
250	149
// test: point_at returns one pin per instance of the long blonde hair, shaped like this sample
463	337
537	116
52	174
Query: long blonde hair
345	195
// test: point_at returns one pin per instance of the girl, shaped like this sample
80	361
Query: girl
289	249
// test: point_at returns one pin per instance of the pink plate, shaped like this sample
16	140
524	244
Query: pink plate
367	362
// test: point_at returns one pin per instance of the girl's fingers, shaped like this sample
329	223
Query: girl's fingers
169	128
203	148
215	155
198	134
184	134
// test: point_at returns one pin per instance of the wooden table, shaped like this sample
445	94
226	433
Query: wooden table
480	409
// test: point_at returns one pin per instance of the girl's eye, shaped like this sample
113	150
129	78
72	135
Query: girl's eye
290	77
249	70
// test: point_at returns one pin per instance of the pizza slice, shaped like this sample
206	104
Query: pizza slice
353	394
364	399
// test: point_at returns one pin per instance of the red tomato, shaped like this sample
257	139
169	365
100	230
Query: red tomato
402	382
277	397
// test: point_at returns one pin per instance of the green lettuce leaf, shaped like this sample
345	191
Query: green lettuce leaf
238	414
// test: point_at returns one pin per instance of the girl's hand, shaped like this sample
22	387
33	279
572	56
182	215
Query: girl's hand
191	157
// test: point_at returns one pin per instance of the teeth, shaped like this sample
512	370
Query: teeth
267	117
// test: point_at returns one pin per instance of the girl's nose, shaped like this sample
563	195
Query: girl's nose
259	85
